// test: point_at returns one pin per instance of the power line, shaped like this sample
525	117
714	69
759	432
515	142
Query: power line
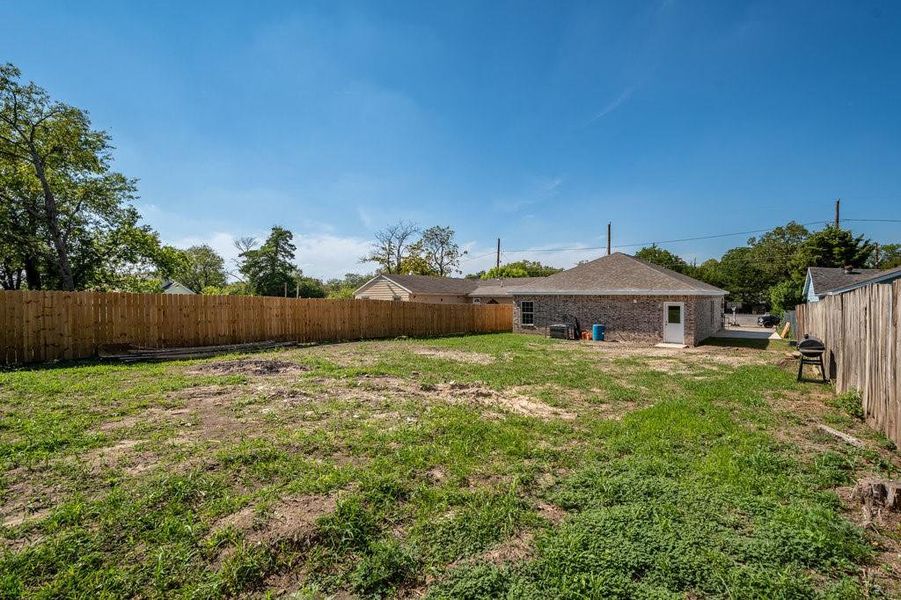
688	239
662	242
874	220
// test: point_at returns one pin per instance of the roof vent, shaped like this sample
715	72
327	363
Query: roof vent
849	270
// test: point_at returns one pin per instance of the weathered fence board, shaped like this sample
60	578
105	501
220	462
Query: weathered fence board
863	348
42	326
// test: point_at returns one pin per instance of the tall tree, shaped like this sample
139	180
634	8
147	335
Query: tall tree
69	163
658	256
269	270
392	246
201	268
439	250
740	274
774	252
834	247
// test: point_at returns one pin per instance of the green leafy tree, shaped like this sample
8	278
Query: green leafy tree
345	287
521	268
775	253
658	256
710	272
834	247
740	275
269	270
786	295
201	268
309	287
438	248
71	193
414	263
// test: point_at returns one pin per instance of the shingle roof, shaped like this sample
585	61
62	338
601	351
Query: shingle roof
424	284
827	279
501	287
620	274
867	277
427	285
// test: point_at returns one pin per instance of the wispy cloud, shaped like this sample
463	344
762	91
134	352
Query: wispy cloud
613	105
538	190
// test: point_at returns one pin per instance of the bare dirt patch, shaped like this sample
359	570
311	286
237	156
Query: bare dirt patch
470	393
515	549
291	519
477	358
122	454
250	366
26	498
551	512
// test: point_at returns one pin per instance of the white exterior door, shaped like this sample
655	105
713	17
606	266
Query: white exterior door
674	322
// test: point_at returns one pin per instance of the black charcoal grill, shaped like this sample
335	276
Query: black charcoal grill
812	350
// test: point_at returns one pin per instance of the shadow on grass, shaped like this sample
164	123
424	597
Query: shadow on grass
757	344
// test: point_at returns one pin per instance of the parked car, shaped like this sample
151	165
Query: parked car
768	320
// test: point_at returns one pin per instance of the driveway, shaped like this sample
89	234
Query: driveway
747	333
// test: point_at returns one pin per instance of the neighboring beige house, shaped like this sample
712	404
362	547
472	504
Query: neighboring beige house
440	290
633	299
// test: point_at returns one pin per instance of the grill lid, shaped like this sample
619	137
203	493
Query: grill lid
811	345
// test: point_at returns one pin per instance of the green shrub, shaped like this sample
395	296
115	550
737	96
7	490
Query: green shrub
850	402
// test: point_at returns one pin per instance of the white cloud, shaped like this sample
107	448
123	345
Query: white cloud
536	191
321	255
327	255
613	105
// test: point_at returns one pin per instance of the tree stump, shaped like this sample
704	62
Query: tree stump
878	495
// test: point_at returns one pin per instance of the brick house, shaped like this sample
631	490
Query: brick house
634	299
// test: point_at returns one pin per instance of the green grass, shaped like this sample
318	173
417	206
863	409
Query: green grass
389	467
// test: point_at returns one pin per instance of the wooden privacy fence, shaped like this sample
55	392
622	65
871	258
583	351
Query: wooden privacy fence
41	326
863	348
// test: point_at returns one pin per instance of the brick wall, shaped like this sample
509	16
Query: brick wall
627	318
708	317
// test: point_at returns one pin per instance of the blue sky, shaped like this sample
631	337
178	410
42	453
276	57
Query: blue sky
533	122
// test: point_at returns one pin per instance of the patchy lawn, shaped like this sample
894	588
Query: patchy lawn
482	466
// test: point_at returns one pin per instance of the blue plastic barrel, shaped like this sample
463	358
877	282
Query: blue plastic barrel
597	332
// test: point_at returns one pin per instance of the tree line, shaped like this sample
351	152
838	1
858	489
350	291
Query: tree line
770	269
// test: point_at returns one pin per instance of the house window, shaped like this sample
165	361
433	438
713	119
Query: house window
674	314
397	298
526	313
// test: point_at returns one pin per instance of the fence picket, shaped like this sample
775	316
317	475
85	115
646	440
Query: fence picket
39	325
863	344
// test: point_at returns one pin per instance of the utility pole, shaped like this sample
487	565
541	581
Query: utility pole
286	289
838	202
608	238
498	261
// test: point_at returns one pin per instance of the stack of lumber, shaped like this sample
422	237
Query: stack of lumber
135	354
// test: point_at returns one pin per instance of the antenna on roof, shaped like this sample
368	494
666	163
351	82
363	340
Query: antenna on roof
608	238
498	262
